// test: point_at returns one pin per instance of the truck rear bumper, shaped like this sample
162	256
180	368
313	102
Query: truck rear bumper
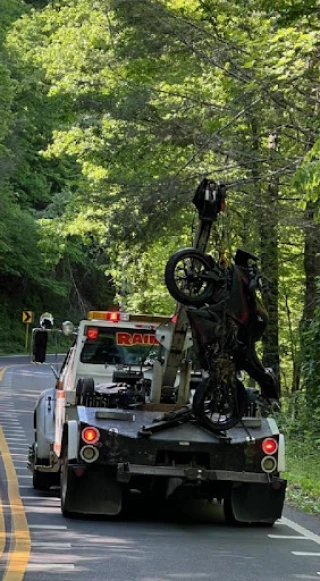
126	470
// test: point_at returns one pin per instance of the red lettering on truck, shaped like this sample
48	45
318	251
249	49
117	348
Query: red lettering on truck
136	339
123	339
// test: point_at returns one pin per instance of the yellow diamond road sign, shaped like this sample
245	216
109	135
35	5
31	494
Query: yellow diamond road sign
27	317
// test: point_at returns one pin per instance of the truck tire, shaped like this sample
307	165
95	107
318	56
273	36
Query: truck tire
66	485
228	512
84	389
42	480
88	387
79	388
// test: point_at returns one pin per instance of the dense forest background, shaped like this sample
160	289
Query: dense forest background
112	111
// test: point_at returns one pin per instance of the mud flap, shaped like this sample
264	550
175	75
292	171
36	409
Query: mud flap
94	493
258	502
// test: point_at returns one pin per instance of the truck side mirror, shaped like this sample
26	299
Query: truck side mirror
39	345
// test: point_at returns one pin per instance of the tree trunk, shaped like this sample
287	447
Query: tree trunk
267	219
270	270
311	262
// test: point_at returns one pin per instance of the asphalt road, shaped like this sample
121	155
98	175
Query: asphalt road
191	543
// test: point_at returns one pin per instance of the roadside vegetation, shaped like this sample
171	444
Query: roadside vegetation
303	475
302	455
111	112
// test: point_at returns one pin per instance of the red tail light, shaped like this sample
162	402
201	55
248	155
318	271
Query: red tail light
269	446
90	435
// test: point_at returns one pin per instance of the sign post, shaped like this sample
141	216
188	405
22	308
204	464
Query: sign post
27	318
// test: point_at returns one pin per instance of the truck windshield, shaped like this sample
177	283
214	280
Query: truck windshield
120	346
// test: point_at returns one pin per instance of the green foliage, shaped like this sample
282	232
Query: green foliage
291	11
139	277
13	244
302	440
12	330
308	176
303	475
35	245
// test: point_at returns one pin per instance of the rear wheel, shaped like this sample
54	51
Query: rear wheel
185	277
84	390
88	387
66	485
43	480
228	512
219	407
79	388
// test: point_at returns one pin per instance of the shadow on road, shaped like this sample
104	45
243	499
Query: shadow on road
137	508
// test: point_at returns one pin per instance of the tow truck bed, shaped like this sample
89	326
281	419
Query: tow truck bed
185	450
130	422
184	455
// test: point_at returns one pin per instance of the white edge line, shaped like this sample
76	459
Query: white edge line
15	454
48	567
14	433
305	554
38	498
294	537
55	527
301	530
40	544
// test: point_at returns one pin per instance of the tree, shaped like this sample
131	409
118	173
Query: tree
130	122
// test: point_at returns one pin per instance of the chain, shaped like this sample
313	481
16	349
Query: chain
222	366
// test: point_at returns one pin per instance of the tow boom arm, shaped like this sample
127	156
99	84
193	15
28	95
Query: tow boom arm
209	200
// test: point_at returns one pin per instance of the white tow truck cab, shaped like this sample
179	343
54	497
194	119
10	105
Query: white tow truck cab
111	350
109	341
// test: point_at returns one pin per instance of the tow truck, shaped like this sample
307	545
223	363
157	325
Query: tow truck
119	419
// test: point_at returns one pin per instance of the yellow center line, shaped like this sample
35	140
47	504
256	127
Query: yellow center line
2	531
19	556
2	521
4	369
